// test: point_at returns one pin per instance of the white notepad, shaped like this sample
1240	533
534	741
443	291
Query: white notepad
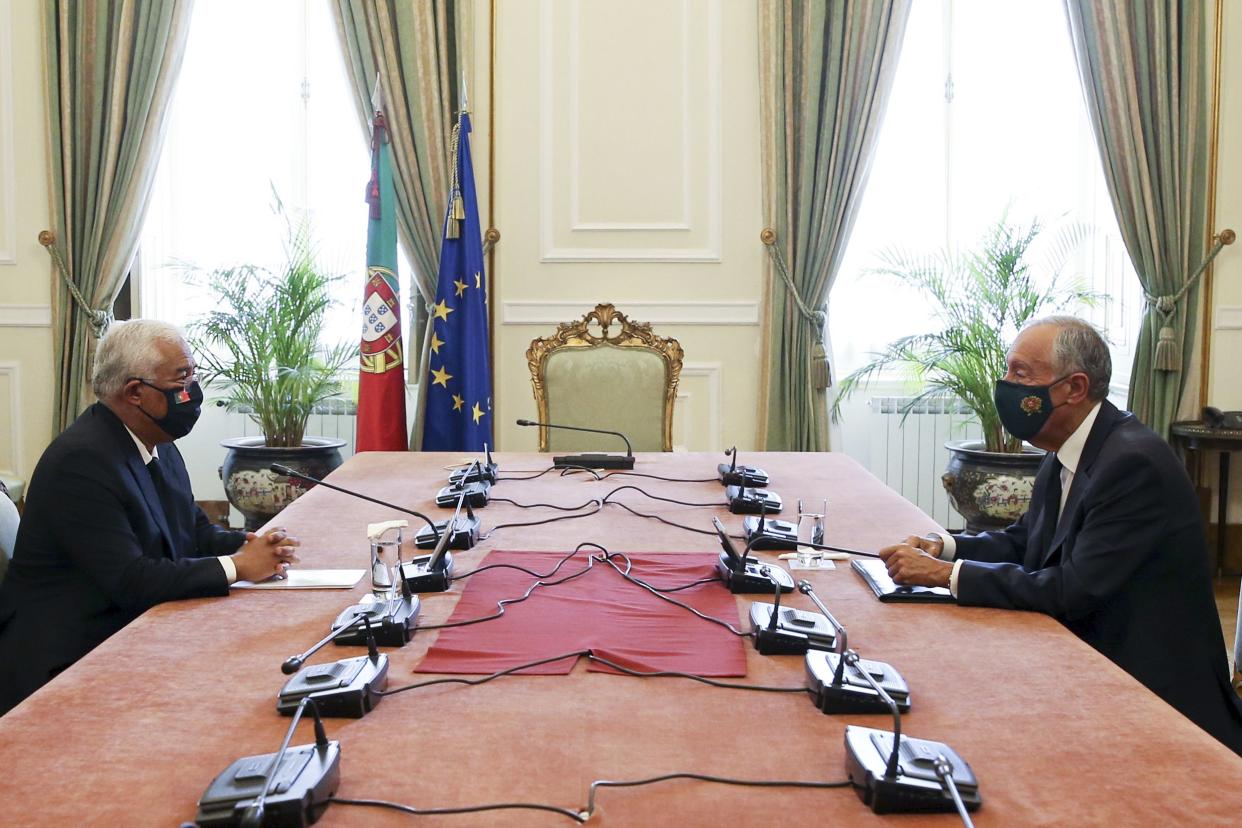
308	579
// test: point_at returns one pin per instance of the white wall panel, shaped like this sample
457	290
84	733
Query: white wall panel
629	95
8	180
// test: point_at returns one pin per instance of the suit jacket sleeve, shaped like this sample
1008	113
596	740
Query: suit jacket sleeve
1122	519
97	532
213	540
209	540
1007	546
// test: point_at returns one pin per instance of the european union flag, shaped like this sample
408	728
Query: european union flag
459	380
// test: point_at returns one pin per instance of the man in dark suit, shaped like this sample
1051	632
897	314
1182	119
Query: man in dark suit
110	527
1112	544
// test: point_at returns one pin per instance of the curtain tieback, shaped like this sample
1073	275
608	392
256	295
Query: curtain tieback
100	320
1167	355
489	240
821	374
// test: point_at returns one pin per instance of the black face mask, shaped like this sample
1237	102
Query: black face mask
184	406
1024	409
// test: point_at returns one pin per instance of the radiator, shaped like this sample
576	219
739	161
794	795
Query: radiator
910	456
333	418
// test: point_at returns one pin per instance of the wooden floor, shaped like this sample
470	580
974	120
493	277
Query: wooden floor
1227	605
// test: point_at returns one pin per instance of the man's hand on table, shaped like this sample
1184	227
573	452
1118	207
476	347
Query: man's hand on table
916	562
263	556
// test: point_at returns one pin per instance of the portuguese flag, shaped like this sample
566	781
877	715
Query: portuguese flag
381	376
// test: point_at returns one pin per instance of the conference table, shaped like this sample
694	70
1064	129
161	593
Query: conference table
1056	734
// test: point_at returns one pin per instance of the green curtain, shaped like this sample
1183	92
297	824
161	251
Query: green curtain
1143	71
825	71
110	70
419	51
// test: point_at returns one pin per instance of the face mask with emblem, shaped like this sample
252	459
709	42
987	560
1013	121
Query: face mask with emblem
1024	409
184	406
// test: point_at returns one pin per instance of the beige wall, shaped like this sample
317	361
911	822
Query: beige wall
1224	389
627	171
1225	370
25	273
667	208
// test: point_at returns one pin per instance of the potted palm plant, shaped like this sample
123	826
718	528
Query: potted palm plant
260	345
980	299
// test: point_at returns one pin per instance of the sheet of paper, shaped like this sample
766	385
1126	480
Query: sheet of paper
309	579
814	563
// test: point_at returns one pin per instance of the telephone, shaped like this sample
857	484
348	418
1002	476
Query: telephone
1215	418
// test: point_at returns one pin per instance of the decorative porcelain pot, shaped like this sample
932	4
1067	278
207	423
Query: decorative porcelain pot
990	489
257	491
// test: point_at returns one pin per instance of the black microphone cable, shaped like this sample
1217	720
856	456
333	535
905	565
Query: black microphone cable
530	572
598	506
503	602
562	469
666	479
607	558
392	691
545	505
644	493
663	520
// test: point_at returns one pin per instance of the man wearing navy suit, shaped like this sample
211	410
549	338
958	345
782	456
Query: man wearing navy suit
110	527
1112	544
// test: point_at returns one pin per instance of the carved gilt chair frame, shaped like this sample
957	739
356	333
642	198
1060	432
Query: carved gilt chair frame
627	334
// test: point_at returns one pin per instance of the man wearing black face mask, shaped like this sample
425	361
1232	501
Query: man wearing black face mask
1112	545
110	527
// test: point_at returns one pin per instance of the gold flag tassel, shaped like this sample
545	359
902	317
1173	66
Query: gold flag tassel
457	208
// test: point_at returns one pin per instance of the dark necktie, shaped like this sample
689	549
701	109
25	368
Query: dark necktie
168	500
1051	507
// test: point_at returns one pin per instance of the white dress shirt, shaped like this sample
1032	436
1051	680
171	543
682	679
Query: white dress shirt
1069	454
226	563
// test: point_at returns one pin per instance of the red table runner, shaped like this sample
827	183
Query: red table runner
599	611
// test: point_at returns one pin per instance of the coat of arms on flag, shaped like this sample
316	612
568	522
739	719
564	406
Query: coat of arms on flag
381	322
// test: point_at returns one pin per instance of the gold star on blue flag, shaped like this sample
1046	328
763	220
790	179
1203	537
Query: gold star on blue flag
459	372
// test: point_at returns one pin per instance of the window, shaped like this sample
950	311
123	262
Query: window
986	114
263	109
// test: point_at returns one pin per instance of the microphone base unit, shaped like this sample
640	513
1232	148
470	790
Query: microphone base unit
741	475
464	536
392	622
748	501
298	795
916	788
348	688
777	534
853	694
796	630
419	578
483	472
477	495
755	578
593	461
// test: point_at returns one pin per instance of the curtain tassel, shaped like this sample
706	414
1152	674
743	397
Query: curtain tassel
1168	355
821	371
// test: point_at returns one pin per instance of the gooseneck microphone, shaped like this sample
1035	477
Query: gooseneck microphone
288	472
851	657
255	814
294	663
590	460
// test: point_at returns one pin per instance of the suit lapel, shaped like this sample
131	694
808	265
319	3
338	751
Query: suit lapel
1108	417
138	471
